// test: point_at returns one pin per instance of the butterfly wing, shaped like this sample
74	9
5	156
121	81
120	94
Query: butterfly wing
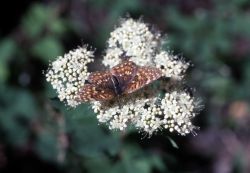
124	73
143	77
91	92
100	78
99	87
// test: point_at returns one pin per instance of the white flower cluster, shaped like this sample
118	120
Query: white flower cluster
171	66
68	74
132	39
174	112
155	107
150	112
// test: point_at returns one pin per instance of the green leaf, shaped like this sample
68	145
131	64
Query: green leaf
89	139
47	49
7	49
136	160
58	27
19	110
19	102
35	20
98	164
158	163
46	145
4	72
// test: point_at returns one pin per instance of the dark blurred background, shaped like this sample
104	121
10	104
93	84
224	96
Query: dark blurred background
40	134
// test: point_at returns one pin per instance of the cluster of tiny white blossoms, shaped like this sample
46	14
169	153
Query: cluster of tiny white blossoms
67	74
158	106
171	66
150	111
133	39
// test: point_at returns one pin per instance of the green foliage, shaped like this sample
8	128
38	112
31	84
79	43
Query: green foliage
36	19
7	50
47	48
86	132
43	19
21	108
133	159
44	28
47	141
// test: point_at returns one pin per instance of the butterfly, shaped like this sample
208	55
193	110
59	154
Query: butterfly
124	78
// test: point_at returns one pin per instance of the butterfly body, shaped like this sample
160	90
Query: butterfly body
117	86
124	78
